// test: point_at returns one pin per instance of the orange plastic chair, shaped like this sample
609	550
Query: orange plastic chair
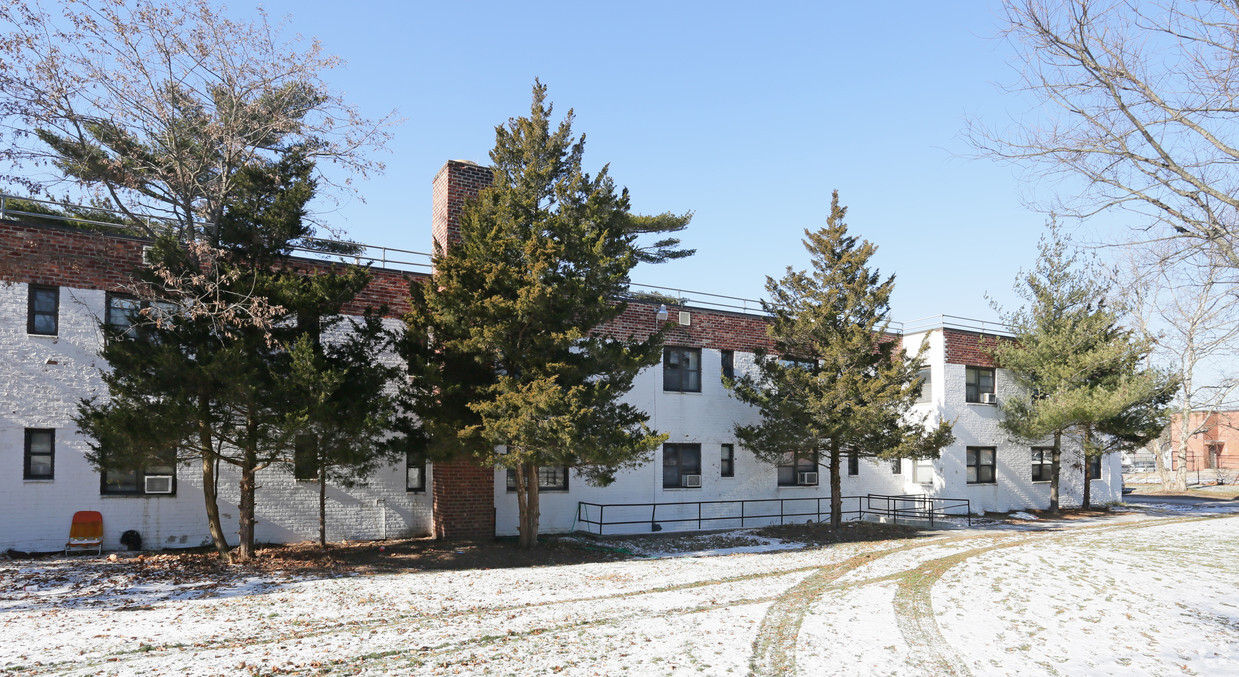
86	532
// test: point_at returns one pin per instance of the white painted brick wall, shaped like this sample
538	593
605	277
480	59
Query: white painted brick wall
706	418
977	425
37	394
37	514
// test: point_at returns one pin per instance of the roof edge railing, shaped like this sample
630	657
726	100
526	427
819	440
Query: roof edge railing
411	260
956	322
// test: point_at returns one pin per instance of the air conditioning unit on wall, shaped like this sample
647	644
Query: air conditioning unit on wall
989	398
807	478
158	484
691	481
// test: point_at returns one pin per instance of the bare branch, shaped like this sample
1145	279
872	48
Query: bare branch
153	106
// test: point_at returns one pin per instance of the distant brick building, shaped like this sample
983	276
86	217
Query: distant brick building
1216	446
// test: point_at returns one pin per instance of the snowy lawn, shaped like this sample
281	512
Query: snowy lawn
1144	592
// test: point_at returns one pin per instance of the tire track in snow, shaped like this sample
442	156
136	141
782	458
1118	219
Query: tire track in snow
914	606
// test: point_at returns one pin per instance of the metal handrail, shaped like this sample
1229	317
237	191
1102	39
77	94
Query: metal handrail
906	506
396	258
744	515
917	506
956	322
746	305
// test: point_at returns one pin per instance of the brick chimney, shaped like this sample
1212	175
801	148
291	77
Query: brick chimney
463	492
456	182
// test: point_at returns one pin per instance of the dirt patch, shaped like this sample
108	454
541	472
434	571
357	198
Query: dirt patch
307	559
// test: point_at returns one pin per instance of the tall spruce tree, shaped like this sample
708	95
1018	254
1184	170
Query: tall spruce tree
201	367
839	383
515	371
1079	371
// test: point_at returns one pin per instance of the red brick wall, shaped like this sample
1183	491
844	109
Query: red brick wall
968	348
464	500
66	257
707	328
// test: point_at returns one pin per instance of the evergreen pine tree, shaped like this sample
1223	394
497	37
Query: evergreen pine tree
1079	371
839	383
512	368
206	372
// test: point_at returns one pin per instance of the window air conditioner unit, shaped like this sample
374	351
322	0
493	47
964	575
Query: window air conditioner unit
158	484
686	318
690	481
808	478
988	398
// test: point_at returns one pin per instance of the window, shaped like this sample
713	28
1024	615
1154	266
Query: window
981	465
1094	468
729	363
415	471
927	387
792	465
682	370
1042	464
978	381
550	478
305	457
681	465
799	363
40	458
125	314
923	471
43	310
853	464
896	466
157	479
727	463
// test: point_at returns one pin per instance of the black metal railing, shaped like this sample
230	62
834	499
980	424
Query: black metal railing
739	513
917	506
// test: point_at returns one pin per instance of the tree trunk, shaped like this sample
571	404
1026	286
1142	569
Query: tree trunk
212	504
1184	430
836	487
210	483
1159	459
1088	480
1056	462
322	507
527	504
245	547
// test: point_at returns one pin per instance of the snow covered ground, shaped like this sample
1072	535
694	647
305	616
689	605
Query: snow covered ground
1152	591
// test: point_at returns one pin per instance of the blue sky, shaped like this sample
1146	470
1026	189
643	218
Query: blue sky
747	114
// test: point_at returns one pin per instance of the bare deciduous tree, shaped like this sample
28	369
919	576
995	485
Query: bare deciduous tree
152	107
1186	304
1140	102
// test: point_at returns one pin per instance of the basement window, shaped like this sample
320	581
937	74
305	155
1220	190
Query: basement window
550	478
